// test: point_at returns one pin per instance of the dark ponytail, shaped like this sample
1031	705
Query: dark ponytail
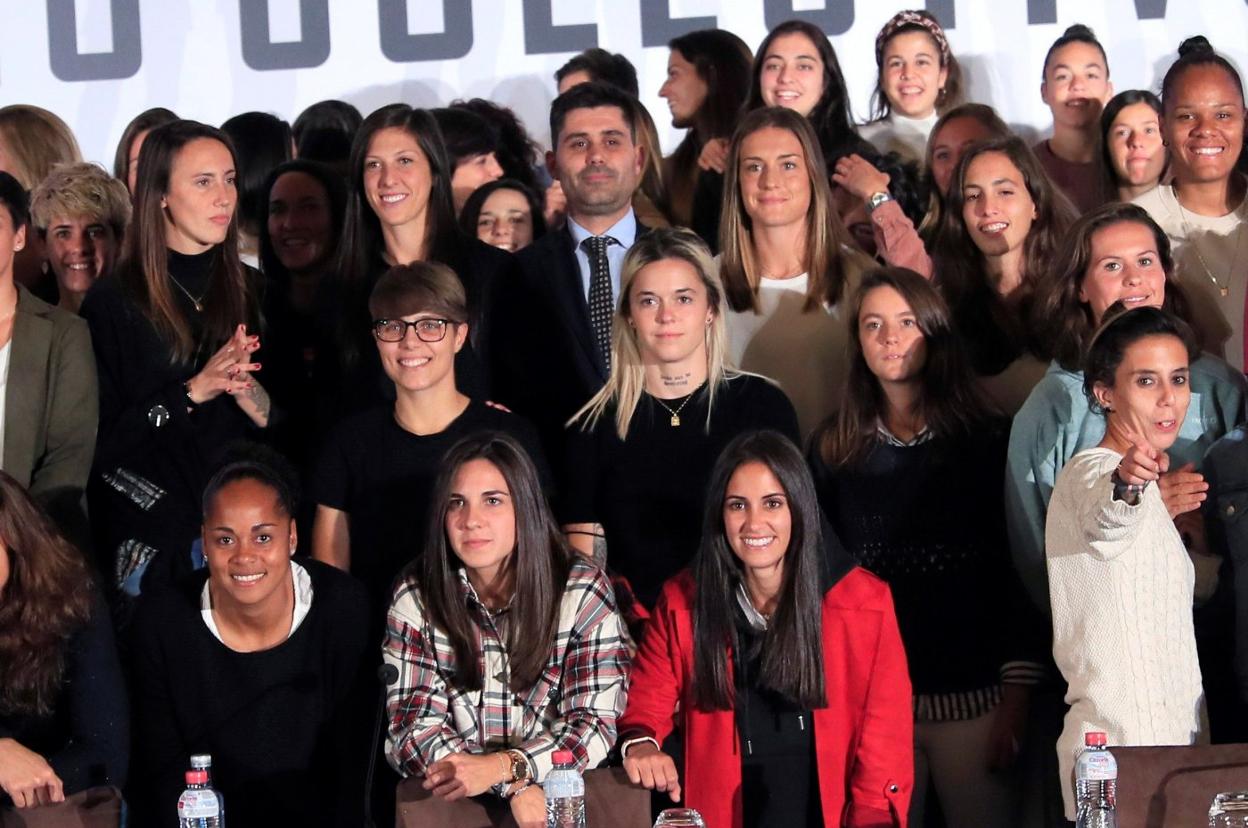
1077	33
1197	51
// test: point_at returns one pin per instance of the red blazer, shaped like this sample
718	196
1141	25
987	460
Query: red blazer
864	738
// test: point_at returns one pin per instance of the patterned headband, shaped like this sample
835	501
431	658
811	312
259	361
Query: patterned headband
906	19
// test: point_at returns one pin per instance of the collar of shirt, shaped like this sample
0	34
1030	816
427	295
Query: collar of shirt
623	231
303	601
755	618
474	600
889	439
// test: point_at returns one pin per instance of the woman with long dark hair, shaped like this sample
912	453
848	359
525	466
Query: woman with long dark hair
1134	158
918	80
1120	580
126	158
778	659
1002	226
1204	209
786	261
303	215
507	643
261	143
63	712
505	214
909	474
175	333
1116	253
399	210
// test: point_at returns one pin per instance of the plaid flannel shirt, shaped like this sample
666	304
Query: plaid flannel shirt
573	706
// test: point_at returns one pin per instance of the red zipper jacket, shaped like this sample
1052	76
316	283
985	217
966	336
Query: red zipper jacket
864	738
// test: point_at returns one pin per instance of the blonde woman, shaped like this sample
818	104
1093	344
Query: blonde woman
641	450
787	262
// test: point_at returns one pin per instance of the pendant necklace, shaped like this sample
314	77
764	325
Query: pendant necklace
1223	289
675	413
198	303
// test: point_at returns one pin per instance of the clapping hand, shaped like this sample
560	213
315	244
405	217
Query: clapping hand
228	371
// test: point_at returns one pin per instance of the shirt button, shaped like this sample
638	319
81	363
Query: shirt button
1230	509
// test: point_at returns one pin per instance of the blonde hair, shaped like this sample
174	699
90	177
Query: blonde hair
627	381
80	191
827	258
36	140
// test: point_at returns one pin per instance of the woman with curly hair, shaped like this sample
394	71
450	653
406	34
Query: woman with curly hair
63	713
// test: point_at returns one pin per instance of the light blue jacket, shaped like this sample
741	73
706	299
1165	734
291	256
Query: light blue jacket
1056	423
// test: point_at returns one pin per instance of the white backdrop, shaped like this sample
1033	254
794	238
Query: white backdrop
199	57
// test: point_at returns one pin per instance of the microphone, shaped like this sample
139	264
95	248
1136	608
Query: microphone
387	675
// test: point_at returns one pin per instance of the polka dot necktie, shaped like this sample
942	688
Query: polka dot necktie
601	308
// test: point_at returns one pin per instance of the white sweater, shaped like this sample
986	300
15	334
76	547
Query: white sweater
1120	586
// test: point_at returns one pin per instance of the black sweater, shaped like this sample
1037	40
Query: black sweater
647	490
930	520
86	737
137	374
287	727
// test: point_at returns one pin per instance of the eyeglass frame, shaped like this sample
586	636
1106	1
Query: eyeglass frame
446	325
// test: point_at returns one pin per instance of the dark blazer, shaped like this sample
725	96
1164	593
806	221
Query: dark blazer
546	362
51	409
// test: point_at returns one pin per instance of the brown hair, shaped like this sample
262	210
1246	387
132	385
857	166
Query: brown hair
960	263
541	562
923	21
145	255
986	117
826	237
1063	324
950	402
419	287
143	122
47	598
36	141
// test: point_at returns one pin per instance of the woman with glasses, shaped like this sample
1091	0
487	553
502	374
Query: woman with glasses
377	470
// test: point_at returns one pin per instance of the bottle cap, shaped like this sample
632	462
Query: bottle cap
201	761
1094	738
196	777
564	757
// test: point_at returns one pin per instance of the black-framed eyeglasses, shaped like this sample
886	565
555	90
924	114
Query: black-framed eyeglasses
428	329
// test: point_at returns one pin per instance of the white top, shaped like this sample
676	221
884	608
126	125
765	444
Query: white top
5	353
303	602
897	133
805	352
1120	586
1204	244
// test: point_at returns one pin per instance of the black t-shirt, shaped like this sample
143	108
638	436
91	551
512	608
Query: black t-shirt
382	476
647	490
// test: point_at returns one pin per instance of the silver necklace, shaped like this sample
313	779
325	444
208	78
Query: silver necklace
1223	289
198	303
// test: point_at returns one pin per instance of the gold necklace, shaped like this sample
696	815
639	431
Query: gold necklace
1224	290
198	303
675	414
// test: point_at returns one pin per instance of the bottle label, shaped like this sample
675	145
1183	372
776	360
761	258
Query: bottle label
198	804
1098	766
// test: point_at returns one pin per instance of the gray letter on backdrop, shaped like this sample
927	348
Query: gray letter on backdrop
543	37
261	53
68	64
401	47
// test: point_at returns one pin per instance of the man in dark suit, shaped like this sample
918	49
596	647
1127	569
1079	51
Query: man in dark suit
552	323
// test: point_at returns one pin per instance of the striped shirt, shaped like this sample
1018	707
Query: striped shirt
573	706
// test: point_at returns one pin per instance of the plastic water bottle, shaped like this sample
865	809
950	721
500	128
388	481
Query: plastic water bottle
1096	784
203	761
198	806
565	793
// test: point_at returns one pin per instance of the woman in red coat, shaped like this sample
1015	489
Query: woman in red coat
784	668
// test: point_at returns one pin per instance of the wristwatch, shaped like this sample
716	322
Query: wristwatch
519	766
876	199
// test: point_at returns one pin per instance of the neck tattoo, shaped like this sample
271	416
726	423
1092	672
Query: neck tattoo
677	382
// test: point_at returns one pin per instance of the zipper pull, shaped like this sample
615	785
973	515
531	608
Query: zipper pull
801	721
749	747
